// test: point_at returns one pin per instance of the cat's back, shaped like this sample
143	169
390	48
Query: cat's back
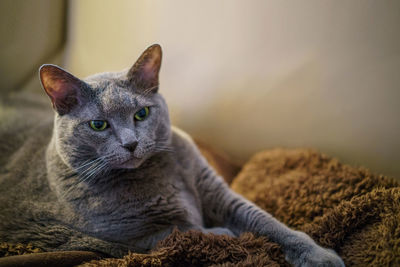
25	130
21	118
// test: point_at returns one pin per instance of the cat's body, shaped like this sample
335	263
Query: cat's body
149	203
112	175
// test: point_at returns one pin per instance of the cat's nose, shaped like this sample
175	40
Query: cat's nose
131	146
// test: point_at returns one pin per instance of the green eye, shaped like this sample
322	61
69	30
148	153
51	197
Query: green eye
142	114
98	125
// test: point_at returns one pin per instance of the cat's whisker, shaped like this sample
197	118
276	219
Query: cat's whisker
71	172
162	139
164	149
146	92
95	173
95	170
92	169
88	163
165	142
149	90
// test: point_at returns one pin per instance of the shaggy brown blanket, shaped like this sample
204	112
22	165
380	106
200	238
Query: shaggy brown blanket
348	209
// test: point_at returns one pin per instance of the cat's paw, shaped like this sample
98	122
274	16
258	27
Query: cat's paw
219	231
317	256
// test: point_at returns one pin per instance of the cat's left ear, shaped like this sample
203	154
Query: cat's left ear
63	88
144	73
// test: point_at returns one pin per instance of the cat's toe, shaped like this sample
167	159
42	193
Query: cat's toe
317	257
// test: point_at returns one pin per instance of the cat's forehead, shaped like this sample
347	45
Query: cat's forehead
112	92
115	98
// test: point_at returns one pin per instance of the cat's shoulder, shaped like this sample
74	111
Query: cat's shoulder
183	143
180	135
186	152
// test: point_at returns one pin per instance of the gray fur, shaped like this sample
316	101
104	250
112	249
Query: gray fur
64	186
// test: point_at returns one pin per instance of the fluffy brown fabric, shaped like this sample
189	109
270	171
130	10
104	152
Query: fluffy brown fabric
59	259
7	249
196	249
348	209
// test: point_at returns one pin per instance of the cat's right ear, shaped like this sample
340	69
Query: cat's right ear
63	88
144	73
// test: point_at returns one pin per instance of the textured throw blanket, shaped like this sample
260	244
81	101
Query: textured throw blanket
348	209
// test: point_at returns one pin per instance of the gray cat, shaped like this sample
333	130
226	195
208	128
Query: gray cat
110	174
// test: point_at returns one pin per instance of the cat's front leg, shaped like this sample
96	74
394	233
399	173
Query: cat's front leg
224	207
301	250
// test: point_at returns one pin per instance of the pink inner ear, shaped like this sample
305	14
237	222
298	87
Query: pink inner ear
56	87
144	73
61	89
150	69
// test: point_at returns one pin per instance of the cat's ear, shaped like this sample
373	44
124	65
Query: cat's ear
144	73
63	88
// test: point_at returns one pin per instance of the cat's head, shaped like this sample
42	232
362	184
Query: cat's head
109	120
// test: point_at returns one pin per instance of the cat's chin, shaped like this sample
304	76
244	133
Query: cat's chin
131	163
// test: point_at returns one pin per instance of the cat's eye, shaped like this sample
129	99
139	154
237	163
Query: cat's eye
98	125
142	114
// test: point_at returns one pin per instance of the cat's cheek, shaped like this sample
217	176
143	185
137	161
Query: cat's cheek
99	139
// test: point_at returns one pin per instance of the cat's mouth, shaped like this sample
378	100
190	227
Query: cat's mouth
131	163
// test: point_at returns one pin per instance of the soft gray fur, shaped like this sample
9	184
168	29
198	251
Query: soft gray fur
64	186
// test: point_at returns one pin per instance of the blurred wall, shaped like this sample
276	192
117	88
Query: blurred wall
32	32
249	75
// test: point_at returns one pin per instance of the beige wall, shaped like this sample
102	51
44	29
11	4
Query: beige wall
32	31
248	75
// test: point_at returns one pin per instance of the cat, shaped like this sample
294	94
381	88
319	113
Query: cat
110	174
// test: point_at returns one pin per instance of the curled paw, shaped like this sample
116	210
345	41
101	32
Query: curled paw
317	256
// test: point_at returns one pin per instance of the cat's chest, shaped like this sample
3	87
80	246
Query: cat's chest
131	210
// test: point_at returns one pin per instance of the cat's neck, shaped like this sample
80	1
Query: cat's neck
70	185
